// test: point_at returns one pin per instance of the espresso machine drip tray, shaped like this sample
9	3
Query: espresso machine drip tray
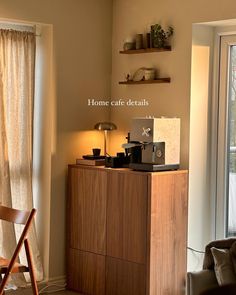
153	167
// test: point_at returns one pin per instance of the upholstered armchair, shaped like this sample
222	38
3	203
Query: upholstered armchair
206	279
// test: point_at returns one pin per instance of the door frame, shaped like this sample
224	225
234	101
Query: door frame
219	136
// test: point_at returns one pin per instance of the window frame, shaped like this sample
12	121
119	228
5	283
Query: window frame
219	134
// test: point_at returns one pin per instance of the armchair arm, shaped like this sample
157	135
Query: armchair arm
200	281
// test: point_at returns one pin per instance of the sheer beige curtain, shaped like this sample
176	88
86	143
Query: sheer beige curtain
17	59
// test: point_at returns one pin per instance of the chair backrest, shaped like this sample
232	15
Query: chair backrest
13	215
19	217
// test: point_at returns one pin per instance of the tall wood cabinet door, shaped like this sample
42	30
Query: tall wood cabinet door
87	209
127	215
87	272
168	232
124	277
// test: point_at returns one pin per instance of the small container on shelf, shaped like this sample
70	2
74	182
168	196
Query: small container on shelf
149	74
139	75
147	41
139	41
129	45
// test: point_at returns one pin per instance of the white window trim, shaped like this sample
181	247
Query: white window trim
217	187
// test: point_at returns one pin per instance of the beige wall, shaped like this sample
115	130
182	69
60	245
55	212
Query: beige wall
174	99
82	48
135	16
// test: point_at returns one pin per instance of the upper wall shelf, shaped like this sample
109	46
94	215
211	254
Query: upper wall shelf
147	50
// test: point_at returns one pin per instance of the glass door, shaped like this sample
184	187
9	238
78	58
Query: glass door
226	149
231	171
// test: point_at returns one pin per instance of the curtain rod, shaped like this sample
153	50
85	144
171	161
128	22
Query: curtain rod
10	29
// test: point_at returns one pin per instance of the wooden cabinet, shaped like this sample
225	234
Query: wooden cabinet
124	277
87	209
86	272
127	216
127	231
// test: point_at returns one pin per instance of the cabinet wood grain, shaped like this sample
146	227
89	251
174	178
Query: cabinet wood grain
87	210
127	231
125	278
168	232
127	216
87	272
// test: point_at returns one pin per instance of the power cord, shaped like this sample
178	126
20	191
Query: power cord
44	289
194	250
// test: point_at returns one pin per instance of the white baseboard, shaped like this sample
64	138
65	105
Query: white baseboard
60	280
57	280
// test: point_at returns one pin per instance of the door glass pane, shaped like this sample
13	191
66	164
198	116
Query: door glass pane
231	189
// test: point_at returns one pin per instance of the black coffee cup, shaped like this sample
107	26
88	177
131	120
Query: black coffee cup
96	152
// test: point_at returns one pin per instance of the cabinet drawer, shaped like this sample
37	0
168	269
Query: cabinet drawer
87	210
86	272
127	216
124	278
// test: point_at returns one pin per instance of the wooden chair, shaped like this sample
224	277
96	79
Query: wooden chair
12	266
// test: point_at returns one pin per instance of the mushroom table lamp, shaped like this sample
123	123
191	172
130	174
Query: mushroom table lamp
105	126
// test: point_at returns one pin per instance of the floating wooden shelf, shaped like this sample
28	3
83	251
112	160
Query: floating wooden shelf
158	80
147	50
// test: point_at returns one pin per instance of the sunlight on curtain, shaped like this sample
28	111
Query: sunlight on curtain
17	58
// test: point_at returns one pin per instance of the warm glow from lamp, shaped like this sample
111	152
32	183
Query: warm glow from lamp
105	126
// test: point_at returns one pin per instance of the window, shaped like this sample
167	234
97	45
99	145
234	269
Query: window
17	68
226	143
44	132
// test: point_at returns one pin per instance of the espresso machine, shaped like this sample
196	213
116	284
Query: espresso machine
155	142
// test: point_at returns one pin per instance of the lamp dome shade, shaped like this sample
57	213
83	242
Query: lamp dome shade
105	126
